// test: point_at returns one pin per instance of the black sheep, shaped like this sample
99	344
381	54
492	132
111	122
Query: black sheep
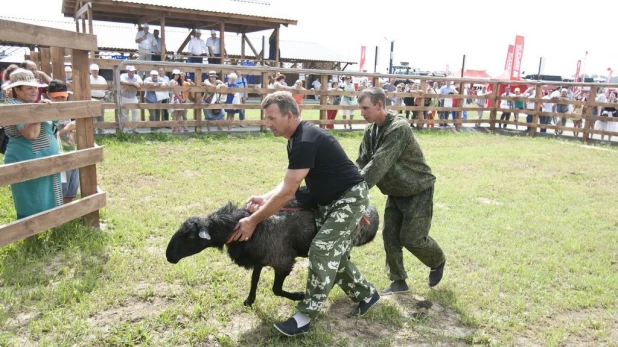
276	242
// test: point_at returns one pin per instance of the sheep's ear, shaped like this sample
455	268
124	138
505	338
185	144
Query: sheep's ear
204	235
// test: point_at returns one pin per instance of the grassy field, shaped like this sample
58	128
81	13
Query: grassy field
529	227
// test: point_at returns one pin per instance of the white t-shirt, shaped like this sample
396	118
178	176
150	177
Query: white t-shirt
146	46
504	103
548	106
196	46
98	80
215	45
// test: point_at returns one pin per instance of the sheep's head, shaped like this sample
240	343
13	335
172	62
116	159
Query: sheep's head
191	238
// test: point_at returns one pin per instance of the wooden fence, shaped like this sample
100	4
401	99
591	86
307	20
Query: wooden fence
494	98
87	154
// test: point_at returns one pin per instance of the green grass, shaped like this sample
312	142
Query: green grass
528	225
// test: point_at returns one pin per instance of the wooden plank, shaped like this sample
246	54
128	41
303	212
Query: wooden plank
34	113
323	97
35	168
494	107
45	55
82	11
197	113
39	35
163	47
588	123
242	46
255	53
262	96
277	44
222	42
43	221
57	59
84	127
535	114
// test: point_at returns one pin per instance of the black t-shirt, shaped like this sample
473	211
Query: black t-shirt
331	172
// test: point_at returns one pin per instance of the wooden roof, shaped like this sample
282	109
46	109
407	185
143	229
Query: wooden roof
182	14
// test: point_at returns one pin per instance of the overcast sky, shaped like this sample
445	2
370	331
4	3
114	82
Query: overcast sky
426	32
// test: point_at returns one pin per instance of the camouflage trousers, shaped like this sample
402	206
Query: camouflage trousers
407	221
329	253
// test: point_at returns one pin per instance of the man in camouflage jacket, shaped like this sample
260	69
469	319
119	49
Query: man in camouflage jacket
390	158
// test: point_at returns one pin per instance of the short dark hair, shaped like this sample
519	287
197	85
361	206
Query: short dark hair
284	100
374	94
56	86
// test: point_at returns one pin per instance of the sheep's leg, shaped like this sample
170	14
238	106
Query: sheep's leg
255	278
278	287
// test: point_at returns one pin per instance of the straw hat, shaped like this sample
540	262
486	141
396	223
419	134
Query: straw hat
23	77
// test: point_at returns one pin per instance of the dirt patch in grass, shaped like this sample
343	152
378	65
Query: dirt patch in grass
133	311
422	323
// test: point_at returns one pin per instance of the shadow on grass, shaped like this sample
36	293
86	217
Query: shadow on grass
69	255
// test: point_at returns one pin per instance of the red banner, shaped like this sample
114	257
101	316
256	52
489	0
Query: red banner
517	56
361	66
509	59
579	65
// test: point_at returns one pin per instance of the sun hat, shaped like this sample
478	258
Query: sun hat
175	72
131	68
154	72
94	67
212	73
22	77
67	69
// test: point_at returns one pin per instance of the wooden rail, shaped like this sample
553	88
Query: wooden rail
87	155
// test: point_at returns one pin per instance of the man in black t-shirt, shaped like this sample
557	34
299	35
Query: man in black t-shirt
341	194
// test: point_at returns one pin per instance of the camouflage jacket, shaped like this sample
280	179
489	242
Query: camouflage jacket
393	160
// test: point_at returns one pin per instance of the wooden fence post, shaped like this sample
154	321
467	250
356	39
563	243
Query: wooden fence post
85	130
323	98
494	106
197	112
262	96
538	91
589	123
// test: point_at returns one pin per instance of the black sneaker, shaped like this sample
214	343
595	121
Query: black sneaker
435	275
399	286
290	327
364	306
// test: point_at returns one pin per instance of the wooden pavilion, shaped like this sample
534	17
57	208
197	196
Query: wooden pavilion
181	14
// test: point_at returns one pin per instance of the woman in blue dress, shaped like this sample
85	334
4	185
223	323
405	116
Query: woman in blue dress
31	141
230	99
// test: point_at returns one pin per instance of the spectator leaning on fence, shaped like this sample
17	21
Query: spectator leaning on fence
97	95
57	92
31	141
131	79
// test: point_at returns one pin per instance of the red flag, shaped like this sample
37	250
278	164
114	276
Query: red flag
362	59
509	58
579	65
518	53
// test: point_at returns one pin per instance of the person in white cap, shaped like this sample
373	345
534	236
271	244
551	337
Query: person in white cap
196	47
146	43
68	74
97	94
155	97
129	96
214	48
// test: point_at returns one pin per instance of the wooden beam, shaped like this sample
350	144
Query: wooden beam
35	168
255	53
83	10
43	221
163	47
57	59
34	113
185	42
242	46
147	19
45	56
277	46
222	43
85	129
39	35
